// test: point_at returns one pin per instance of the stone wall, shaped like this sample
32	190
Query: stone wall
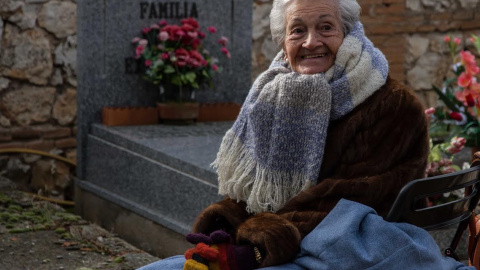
38	62
37	88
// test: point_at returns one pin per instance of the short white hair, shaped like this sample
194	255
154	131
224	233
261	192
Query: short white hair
349	15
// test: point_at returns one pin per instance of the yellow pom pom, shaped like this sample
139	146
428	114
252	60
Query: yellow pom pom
194	265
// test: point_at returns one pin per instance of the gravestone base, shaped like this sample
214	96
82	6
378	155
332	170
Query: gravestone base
137	230
149	183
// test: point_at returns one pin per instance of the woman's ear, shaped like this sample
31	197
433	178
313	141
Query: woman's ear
285	57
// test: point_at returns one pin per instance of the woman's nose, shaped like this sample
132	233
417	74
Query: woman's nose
313	41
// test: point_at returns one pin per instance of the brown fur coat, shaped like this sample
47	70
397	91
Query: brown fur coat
370	154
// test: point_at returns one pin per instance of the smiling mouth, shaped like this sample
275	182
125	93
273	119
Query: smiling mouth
314	56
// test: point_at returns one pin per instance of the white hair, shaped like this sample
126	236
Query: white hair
349	15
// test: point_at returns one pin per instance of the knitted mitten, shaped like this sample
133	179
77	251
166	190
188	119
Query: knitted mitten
227	256
198	258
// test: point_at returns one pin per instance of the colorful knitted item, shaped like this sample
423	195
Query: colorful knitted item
221	254
275	148
194	265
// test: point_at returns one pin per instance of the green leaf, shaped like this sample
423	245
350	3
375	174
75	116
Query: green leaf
169	69
450	81
445	99
476	42
183	78
455	167
176	80
195	85
191	76
435	154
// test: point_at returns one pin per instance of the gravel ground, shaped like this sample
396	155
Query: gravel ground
40	235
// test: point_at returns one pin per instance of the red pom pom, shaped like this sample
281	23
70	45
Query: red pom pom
206	251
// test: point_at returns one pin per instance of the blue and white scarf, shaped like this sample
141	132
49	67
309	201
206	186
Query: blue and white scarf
275	148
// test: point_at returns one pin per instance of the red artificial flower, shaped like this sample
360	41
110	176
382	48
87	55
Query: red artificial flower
192	35
464	79
182	56
226	52
445	162
148	62
212	29
180	33
468	61
475	87
187	28
447	169
139	50
201	34
457	41
195	43
447	39
162	23
463	96
458	142
432	168
456	116
146	30
470	100
196	55
172	31
223	41
192	22
163	36
195	59
430	111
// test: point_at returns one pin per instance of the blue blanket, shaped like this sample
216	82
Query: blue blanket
353	236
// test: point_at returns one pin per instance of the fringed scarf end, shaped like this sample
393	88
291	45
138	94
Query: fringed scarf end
243	179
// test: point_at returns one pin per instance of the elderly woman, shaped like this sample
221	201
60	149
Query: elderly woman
324	122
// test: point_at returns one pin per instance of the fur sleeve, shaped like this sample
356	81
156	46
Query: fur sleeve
224	215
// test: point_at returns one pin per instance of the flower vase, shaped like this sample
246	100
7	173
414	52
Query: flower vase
177	105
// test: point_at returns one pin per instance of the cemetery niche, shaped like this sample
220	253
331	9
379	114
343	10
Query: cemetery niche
147	183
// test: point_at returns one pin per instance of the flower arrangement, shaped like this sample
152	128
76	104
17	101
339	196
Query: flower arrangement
459	112
440	157
173	55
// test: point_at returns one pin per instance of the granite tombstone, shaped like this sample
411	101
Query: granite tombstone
148	175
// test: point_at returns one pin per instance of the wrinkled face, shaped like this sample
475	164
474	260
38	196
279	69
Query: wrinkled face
313	35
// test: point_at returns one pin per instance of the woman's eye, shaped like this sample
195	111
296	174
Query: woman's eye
297	31
326	28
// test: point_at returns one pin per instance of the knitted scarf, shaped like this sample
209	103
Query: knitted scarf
274	150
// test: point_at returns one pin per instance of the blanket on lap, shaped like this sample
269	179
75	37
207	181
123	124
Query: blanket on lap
354	237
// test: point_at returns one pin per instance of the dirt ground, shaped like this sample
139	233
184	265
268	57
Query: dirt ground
39	235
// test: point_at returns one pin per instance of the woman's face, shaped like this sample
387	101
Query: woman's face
313	35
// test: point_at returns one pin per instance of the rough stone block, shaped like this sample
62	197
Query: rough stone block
11	145
25	133
43	145
55	133
66	143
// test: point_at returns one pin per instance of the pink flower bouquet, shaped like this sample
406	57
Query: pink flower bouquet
171	54
460	112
